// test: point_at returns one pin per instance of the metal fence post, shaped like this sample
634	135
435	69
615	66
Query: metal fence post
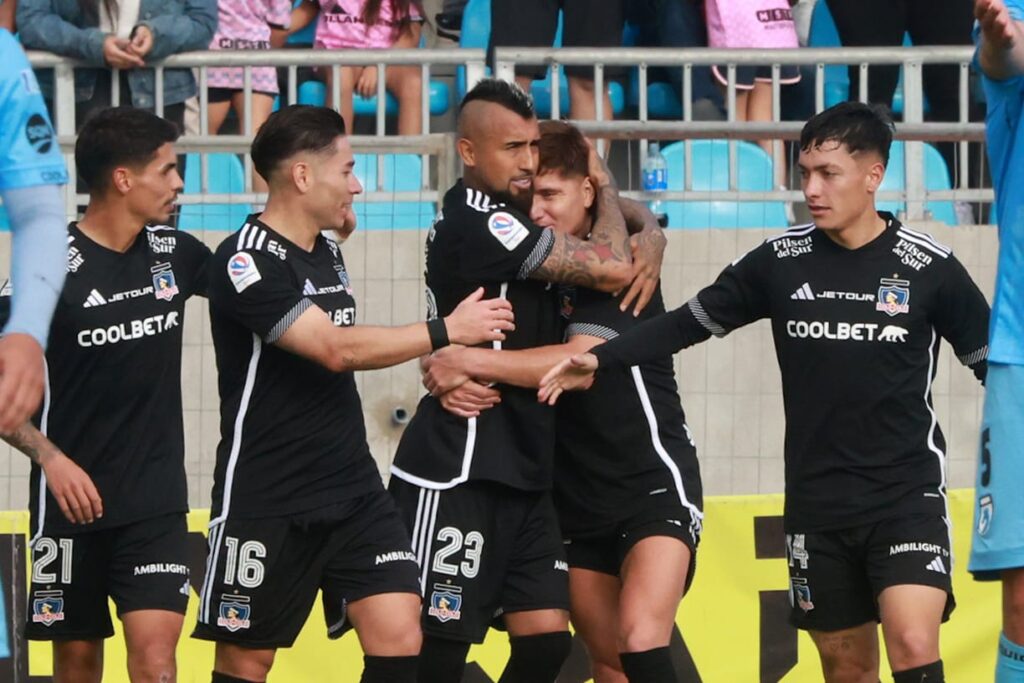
64	112
913	112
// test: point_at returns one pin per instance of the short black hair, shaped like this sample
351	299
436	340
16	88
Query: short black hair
293	129
503	93
861	127
119	136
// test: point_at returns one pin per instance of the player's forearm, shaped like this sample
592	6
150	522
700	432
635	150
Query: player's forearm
609	230
637	216
520	368
1000	63
33	444
367	347
657	338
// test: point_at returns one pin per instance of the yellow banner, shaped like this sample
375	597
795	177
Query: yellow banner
733	622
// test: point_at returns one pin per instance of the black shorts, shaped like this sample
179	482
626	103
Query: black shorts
484	550
215	95
532	23
836	576
606	553
266	572
143	565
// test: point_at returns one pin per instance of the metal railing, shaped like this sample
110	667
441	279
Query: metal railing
912	129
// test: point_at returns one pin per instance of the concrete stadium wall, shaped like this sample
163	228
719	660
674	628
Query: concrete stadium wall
731	388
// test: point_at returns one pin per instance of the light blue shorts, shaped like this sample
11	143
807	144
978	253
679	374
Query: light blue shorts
998	541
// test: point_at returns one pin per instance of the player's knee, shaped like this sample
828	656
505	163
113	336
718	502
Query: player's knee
912	647
77	662
538	657
243	664
157	666
607	671
849	668
640	635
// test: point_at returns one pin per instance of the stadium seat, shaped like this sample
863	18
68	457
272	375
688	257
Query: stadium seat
936	177
402	173
837	77
226	176
711	172
5	222
476	33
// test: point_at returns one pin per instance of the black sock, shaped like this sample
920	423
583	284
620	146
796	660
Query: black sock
218	677
442	661
929	673
537	659
389	669
650	666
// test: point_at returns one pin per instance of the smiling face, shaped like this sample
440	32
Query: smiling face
562	202
839	187
152	189
332	184
499	150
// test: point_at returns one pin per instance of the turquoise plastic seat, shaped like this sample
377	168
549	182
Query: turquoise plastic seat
226	176
476	33
711	172
936	177
837	77
5	222
402	173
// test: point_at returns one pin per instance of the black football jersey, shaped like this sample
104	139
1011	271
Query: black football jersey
857	339
476	242
624	444
113	393
292	433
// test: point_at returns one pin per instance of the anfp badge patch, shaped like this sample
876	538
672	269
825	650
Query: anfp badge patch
893	296
234	612
48	607
507	229
445	603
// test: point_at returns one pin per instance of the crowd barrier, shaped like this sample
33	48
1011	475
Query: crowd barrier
732	626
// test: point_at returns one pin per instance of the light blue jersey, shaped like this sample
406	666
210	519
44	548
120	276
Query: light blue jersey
29	154
1005	134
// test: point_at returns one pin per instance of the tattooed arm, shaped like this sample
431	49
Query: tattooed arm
70	484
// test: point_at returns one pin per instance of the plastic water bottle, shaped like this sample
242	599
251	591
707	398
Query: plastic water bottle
655	179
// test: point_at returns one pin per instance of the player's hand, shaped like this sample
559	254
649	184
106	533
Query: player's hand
648	247
21	380
475	320
443	370
72	489
366	84
470	399
119	54
141	40
996	23
597	168
572	374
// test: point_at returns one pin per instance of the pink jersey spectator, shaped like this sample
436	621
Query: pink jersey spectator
245	25
340	25
751	23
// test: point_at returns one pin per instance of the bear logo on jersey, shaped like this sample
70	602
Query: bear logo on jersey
48	607
234	612
446	603
893	297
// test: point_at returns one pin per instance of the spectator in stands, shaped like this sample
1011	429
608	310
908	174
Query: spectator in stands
121	34
585	23
867	23
7	14
246	25
368	24
761	24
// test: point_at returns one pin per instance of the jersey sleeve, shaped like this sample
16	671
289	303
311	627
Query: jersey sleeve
501	245
597	314
256	290
29	153
196	258
5	303
738	297
961	317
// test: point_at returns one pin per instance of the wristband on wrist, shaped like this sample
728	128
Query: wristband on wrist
438	332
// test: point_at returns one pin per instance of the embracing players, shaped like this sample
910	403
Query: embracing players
626	480
858	304
113	406
298	504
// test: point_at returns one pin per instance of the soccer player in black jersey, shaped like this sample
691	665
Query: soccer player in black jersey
858	303
626	479
475	491
298	503
108	518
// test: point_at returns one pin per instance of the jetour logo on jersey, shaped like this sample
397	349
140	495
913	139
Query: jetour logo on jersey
507	229
127	331
893	296
843	331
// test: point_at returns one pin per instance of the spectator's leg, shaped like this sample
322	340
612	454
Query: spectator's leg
679	23
348	75
759	108
865	23
406	84
262	105
217	113
523	23
591	23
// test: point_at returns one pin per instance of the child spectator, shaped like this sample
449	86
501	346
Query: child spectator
369	24
246	25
